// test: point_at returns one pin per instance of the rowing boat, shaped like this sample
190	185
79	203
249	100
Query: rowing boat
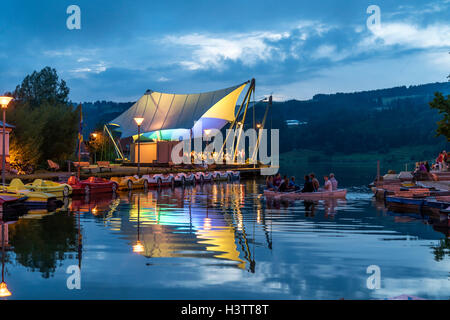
340	193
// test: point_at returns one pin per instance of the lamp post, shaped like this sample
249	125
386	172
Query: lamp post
4	101
94	135
139	122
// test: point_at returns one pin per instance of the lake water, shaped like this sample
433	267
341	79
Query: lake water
225	241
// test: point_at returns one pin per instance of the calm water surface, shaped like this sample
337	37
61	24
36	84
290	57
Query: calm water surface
224	241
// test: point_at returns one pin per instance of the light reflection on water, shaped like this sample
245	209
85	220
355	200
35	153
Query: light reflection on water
225	241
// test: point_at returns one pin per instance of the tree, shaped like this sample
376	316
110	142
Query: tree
443	106
46	125
42	85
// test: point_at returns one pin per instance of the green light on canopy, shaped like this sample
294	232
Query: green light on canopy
163	135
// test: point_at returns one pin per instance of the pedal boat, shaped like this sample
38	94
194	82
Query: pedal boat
235	175
159	180
204	177
320	195
130	182
92	185
59	190
222	175
183	178
34	199
11	205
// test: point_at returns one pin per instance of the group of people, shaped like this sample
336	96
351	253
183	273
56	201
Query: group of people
422	167
311	184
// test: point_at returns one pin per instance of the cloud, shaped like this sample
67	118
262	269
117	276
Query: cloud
288	55
213	51
410	35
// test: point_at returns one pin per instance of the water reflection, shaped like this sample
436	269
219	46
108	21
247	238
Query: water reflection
4	292
204	221
186	241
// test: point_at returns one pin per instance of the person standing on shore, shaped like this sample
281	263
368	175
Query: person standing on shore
444	160
440	161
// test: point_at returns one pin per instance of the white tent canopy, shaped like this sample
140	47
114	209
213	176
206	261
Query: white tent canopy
163	111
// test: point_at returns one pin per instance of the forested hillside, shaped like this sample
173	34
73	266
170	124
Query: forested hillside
377	120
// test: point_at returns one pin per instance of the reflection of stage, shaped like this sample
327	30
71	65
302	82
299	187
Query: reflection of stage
188	222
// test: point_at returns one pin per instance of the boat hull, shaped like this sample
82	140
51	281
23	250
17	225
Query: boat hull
341	193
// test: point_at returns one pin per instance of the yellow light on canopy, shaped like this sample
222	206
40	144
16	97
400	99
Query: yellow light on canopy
138	121
4	101
4	292
207	131
138	247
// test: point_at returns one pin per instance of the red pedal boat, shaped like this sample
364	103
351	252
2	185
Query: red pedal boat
12	205
92	185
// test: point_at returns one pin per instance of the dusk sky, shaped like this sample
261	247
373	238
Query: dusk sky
294	49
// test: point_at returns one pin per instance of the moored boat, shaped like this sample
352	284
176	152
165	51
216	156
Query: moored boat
130	182
11	203
183	178
47	186
204	176
320	195
35	199
92	185
158	180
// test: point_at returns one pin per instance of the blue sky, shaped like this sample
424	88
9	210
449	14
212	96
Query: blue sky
294	49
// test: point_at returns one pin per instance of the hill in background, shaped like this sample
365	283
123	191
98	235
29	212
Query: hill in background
361	122
376	121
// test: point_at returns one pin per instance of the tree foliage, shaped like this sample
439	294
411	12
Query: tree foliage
443	106
46	125
41	86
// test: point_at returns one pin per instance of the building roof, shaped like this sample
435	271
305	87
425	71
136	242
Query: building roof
7	125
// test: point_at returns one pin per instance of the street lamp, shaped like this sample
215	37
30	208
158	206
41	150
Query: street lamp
4	101
94	135
139	122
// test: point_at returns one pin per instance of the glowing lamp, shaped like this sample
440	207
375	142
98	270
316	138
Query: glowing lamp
138	121
94	135
207	131
4	101
138	247
258	125
4	292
